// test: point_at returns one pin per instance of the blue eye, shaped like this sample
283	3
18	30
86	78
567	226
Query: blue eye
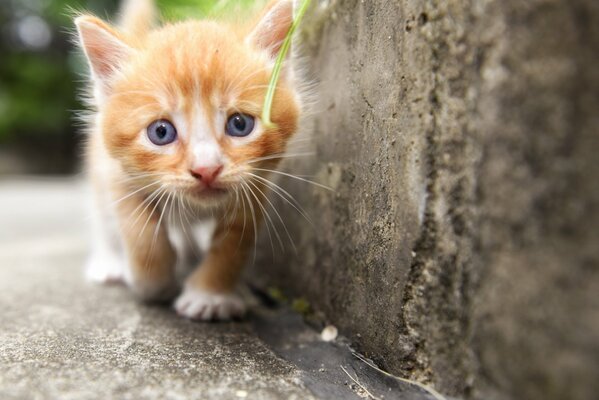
239	125
162	132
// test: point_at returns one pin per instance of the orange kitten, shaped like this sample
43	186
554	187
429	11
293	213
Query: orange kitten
177	138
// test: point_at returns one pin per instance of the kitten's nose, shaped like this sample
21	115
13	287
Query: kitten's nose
206	175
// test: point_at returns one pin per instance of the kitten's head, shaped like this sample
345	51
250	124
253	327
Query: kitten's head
181	106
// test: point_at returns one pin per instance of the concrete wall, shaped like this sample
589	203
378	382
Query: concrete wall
460	245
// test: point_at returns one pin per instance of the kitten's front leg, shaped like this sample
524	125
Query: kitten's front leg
151	257
209	292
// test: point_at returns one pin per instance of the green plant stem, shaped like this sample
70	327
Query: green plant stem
276	72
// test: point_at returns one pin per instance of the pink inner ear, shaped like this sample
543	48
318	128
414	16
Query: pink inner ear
272	29
105	61
104	50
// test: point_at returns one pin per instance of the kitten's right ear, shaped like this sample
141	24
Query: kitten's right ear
104	47
268	35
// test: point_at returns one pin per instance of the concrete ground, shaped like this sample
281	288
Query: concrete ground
61	338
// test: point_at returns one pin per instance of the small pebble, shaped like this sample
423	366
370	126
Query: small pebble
329	333
242	394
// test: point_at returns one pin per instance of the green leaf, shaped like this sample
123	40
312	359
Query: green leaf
276	71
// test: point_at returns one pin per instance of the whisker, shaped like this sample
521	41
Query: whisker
138	175
278	189
157	228
164	192
295	177
162	213
241	168
148	200
251	206
149	256
279	156
244	221
114	203
278	215
267	219
141	204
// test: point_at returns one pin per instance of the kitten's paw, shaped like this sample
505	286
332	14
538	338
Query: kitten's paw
200	305
105	269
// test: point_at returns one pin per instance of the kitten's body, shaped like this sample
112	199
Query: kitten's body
202	81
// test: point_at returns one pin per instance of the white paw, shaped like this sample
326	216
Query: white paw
200	305
105	269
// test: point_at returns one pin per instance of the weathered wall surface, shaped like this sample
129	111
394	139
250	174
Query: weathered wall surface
460	244
537	310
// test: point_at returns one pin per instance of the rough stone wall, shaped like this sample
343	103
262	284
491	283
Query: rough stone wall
459	246
537	309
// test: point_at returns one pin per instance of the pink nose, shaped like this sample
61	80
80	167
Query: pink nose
206	175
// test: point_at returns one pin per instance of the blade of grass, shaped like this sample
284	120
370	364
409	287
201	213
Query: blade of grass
276	71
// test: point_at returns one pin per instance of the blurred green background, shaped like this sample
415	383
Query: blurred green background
41	73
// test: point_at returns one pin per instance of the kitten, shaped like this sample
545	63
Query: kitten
177	138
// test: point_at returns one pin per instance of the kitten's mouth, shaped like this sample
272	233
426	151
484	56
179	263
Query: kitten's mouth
208	192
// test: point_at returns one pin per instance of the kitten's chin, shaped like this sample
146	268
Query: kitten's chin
208	196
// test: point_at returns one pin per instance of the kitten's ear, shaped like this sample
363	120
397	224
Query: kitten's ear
104	48
270	32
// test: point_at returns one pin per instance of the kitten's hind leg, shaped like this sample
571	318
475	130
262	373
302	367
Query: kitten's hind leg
106	263
105	267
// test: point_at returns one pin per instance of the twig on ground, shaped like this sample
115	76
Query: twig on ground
370	395
424	387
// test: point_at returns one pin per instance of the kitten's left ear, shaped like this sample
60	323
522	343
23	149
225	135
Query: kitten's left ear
104	48
271	30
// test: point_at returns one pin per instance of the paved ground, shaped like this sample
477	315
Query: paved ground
63	338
